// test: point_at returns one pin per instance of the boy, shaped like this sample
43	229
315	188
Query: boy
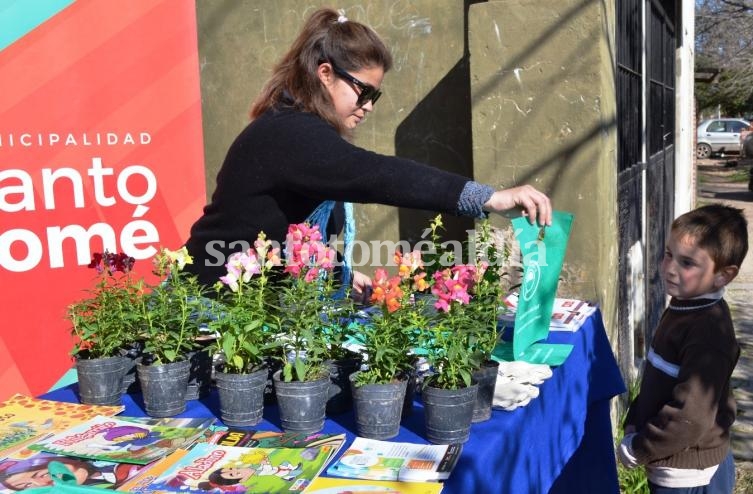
678	425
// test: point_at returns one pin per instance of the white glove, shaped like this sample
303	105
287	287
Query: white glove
523	372
509	395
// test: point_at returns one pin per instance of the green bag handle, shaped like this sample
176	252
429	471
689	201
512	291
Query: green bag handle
63	482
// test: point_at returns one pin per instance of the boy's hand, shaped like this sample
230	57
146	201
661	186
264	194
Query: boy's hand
625	451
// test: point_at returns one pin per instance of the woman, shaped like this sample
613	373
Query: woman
296	155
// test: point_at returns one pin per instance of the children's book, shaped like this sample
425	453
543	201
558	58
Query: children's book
25	420
19	474
229	436
214	468
387	460
328	485
119	440
568	314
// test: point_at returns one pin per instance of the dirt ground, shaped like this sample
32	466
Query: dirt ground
725	180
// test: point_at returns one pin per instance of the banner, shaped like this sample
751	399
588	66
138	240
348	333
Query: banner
100	148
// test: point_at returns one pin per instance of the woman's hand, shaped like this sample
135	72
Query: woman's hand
361	292
535	205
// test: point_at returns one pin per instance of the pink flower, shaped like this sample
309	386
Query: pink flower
241	266
453	285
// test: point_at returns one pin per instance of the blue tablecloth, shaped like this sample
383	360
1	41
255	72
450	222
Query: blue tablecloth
560	443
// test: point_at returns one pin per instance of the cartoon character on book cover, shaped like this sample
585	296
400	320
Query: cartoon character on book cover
106	438
25	420
223	469
17	475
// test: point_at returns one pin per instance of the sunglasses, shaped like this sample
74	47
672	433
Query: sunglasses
368	92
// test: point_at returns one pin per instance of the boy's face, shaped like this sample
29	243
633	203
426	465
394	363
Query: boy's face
687	269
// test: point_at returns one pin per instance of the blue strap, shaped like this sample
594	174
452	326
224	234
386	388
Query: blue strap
349	235
320	216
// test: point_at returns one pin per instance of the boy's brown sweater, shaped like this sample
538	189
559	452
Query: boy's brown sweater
685	409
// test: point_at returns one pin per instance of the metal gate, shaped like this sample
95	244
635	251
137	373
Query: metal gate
648	149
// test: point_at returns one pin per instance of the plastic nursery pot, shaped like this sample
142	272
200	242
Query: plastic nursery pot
164	387
132	356
486	377
339	396
302	403
241	397
378	408
100	380
448	413
200	374
411	384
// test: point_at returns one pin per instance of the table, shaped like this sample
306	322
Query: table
561	443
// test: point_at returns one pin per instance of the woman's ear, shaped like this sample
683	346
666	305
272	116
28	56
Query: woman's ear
325	74
725	275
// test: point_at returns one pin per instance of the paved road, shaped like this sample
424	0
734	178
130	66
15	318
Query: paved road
739	296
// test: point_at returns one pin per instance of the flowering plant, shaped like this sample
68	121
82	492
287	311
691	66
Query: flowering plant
492	258
247	322
305	296
174	309
448	338
392	335
106	321
463	332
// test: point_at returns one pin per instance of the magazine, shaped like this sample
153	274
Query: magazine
18	474
568	314
328	485
120	440
387	460
229	436
25	420
214	468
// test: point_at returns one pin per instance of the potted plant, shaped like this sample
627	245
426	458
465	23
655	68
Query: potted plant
449	394
388	341
246	327
340	331
173	310
302	385
103	324
491	253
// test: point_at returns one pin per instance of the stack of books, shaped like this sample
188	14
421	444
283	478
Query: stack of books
568	314
147	455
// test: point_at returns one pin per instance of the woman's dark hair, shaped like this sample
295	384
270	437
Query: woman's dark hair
348	44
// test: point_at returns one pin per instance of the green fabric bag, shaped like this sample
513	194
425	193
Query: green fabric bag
543	251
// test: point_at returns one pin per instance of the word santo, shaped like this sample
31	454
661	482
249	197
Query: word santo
19	194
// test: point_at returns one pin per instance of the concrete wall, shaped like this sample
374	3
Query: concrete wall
526	97
543	101
424	113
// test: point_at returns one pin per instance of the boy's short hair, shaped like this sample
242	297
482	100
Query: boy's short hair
719	229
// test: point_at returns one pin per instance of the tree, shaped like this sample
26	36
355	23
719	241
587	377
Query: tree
724	41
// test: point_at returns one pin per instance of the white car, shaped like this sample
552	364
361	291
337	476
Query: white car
719	135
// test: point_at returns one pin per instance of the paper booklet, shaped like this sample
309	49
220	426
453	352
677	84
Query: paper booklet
387	460
230	436
17	473
328	485
119	440
214	468
568	314
25	420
